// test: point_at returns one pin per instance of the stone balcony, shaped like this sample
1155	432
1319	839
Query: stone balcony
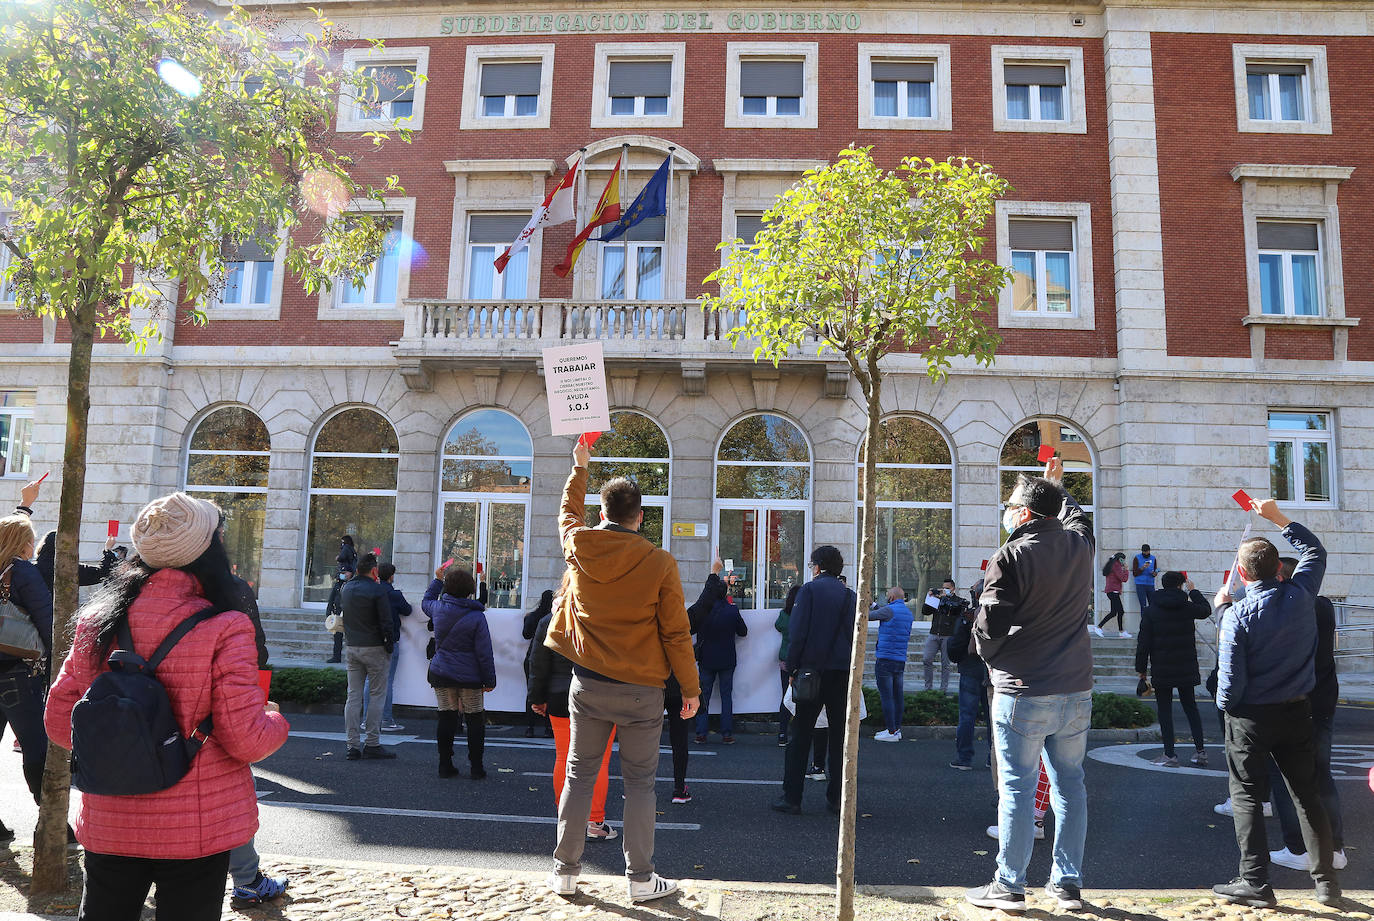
443	334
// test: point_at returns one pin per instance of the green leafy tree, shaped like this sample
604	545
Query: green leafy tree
146	140
859	262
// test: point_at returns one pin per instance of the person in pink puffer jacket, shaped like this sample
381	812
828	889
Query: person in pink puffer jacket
177	839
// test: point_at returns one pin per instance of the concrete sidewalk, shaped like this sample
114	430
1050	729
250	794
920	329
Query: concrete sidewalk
357	891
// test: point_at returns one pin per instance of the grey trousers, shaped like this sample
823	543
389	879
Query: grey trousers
636	712
936	646
371	663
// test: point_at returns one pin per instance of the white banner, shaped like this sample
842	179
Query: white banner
575	381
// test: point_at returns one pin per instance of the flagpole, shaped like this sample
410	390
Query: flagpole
625	237
579	205
668	221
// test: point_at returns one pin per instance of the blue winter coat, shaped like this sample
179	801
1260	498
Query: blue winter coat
894	630
717	632
34	598
822	627
462	642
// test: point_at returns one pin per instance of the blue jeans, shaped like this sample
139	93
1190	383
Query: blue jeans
1022	728
973	702
21	705
1143	594
1326	787
387	716
726	676
243	864
889	675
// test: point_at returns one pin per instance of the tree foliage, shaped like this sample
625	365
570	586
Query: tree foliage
861	262
141	143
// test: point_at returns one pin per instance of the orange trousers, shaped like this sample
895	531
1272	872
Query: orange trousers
562	738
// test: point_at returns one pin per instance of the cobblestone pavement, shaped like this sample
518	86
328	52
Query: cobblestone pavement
376	892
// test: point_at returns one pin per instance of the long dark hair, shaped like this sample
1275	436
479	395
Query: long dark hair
110	606
791	599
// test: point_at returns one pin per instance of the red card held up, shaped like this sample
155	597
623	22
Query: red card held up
1185	575
1242	499
1226	577
587	439
377	552
112	528
984	566
479	569
1046	452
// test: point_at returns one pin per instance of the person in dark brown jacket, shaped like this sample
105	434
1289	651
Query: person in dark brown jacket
623	624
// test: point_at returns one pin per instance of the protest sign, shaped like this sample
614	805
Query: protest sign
575	382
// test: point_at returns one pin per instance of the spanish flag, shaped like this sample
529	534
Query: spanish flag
607	212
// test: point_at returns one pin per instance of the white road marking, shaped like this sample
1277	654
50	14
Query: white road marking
1342	757
458	816
694	780
530	744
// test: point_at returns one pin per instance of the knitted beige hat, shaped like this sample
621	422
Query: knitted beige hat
174	531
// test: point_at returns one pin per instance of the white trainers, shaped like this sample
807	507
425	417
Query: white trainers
1124	635
655	887
886	736
1286	858
1039	831
562	884
1095	630
1226	809
600	831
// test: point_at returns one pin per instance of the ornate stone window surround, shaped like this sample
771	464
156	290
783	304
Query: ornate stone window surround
1071	57
1084	315
329	303
674	52
1318	96
942	95
494	185
477	55
736	52
354	58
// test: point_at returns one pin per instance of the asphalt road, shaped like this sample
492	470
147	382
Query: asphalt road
921	823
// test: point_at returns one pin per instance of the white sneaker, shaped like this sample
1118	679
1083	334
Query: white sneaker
1095	630
1286	858
600	831
1226	809
1124	635
1338	860
561	884
655	887
886	736
815	775
1039	831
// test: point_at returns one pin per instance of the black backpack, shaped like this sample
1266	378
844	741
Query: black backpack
125	737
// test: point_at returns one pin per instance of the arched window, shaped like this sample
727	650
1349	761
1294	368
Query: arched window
914	545
763	501
484	502
1021	449
352	491
226	462
635	448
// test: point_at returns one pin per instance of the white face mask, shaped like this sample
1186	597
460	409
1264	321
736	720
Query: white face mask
1009	518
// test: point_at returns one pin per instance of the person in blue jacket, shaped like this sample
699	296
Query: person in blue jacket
716	632
1267	669
400	607
894	635
463	667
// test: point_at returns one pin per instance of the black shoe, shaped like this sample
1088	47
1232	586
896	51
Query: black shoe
1329	894
478	772
333	661
995	895
448	770
782	805
353	754
529	732
6	833
1069	896
782	740
1242	893
378	752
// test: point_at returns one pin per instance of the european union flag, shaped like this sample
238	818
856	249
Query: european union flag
650	202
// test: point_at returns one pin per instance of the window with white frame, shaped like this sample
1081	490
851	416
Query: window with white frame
771	88
904	89
488	237
1290	268
227	463
249	269
510	89
1281	89
390	95
639	87
1277	92
635	448
632	266
16	432
1042	264
379	288
1300	449
748	226
1036	92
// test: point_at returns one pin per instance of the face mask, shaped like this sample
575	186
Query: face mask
1009	517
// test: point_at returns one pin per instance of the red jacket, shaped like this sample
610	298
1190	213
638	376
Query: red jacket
212	670
1117	578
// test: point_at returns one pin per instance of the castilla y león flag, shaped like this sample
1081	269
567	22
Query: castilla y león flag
607	212
556	209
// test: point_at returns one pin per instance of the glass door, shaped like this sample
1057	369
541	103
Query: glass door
490	535
768	548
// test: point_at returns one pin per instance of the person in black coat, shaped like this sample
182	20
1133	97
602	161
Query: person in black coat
1167	644
973	692
88	575
716	632
347	561
528	630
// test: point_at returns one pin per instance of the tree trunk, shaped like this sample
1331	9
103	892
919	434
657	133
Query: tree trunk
50	840
844	868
